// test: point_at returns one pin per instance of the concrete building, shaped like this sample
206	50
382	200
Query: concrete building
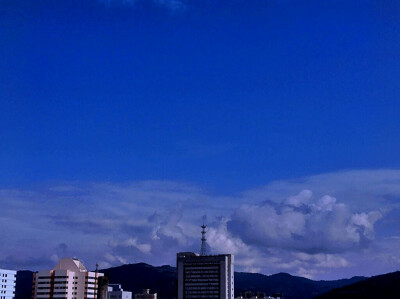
146	295
68	279
203	275
208	277
7	286
115	291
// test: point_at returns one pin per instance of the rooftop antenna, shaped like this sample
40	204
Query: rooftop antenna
97	267
203	250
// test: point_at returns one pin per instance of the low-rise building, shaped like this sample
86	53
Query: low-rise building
115	291
146	295
259	295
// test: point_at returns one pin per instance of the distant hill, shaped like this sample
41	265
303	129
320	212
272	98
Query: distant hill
290	286
162	280
135	277
380	286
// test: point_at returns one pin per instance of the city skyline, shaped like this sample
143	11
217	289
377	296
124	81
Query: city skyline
124	124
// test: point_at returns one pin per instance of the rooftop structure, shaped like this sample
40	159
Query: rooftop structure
203	250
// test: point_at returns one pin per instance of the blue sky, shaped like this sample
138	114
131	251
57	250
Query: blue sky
229	109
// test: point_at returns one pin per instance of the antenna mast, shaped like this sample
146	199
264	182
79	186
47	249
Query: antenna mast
203	250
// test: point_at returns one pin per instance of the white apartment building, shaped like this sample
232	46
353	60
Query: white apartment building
7	286
69	279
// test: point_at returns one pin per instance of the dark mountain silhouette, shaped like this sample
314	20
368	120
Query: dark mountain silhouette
135	277
380	286
290	286
162	280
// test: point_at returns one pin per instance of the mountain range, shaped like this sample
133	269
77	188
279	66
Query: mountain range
162	280
380	286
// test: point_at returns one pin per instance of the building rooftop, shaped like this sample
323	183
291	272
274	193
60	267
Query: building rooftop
72	264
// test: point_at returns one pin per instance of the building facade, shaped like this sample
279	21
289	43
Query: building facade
205	276
69	279
145	294
115	291
7	286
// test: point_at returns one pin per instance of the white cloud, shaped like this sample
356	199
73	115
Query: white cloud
133	242
221	241
300	199
322	260
303	223
320	226
359	189
325	203
366	221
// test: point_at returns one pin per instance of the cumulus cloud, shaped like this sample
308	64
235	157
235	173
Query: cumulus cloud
300	199
324	226
361	189
303	223
365	222
168	225
322	260
220	240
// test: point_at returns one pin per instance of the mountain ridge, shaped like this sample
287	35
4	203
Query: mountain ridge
379	286
162	280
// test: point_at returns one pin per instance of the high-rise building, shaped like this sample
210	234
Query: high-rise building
7	286
68	279
205	276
